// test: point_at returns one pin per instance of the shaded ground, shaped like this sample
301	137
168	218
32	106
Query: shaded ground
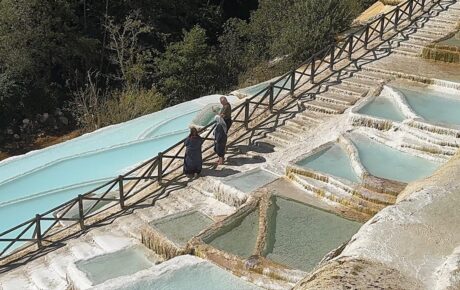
21	147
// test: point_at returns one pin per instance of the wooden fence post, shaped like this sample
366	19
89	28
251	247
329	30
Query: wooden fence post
246	114
38	231
160	167
312	71
81	215
121	191
292	82
350	46
411	8
382	26
396	19
366	36
271	96
331	63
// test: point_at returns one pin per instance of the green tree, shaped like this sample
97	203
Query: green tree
310	26
189	69
287	31
131	59
40	50
233	49
12	92
126	92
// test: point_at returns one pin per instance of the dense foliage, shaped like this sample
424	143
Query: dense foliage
106	61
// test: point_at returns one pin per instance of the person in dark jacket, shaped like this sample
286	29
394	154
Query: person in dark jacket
193	161
220	138
226	112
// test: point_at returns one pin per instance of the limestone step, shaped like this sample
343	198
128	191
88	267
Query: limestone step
349	90
381	199
361	82
17	281
443	20
424	38
374	197
413	46
328	108
430	150
433	32
191	201
280	137
58	261
83	250
454	9
431	138
129	225
312	117
449	16
274	144
370	75
404	51
412	41
148	216
333	98
168	205
291	130
300	123
336	194
46	278
435	25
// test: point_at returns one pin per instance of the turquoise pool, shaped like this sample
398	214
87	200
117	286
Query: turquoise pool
383	107
37	181
250	180
299	235
386	162
194	273
105	267
239	237
434	105
334	161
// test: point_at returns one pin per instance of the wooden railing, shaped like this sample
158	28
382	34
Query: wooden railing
89	208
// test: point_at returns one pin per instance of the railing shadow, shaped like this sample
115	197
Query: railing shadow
314	76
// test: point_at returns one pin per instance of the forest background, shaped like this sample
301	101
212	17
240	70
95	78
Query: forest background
79	65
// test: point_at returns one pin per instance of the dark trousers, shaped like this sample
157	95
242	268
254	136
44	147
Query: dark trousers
228	122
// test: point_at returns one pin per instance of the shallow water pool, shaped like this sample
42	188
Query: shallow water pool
202	276
386	162
434	105
299	236
121	263
250	181
332	160
383	107
239	237
181	228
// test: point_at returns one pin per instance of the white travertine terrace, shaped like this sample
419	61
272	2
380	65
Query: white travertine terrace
413	244
350	148
418	238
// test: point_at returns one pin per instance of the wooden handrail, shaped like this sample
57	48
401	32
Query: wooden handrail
310	68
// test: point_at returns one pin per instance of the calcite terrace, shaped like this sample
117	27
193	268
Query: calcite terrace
410	237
